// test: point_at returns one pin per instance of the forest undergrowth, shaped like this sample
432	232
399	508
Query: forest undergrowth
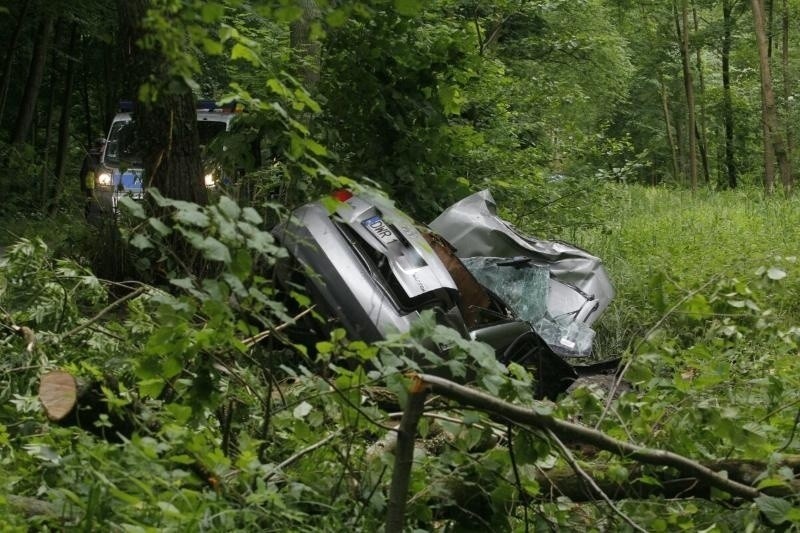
196	426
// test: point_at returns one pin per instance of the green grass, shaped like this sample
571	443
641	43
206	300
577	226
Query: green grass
690	239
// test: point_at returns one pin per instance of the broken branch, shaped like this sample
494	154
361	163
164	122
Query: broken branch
578	433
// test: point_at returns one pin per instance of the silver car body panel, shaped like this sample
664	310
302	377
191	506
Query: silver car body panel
368	262
579	284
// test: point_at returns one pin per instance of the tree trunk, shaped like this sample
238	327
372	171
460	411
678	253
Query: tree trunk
668	125
87	108
63	126
34	82
682	27
307	52
727	105
46	172
772	133
787	84
167	127
700	127
9	61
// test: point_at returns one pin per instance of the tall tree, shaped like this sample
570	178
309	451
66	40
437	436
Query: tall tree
66	108
34	81
772	133
9	59
700	126
787	80
165	115
682	27
727	104
668	125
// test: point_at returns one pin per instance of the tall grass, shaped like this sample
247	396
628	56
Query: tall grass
687	239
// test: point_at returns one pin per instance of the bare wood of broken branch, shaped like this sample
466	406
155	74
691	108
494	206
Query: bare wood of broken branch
578	433
404	456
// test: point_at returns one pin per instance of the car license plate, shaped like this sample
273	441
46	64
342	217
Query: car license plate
380	229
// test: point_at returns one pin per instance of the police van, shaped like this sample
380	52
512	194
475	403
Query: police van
121	168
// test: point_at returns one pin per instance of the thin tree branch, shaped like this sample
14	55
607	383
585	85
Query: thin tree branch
523	496
404	457
621	374
567	455
250	341
103	312
305	451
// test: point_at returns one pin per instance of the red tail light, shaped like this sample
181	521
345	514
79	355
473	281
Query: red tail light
342	195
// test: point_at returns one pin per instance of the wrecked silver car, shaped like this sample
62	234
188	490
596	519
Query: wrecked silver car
372	269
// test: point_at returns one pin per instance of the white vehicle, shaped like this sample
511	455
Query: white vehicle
121	168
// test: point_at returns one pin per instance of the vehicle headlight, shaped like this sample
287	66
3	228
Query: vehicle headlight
104	178
209	179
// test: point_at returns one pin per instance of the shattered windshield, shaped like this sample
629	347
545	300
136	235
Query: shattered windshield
522	284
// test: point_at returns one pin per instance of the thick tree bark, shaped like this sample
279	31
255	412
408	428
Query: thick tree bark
772	133
9	60
167	127
34	82
727	105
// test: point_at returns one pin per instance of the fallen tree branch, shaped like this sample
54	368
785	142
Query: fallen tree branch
258	337
104	312
301	453
567	455
577	433
403	457
32	507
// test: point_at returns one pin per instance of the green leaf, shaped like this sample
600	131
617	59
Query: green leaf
324	347
133	207
302	410
151	387
212	47
776	274
141	242
215	251
211	12
160	227
315	147
229	208
336	18
408	8
775	509
251	215
240	51
192	216
697	307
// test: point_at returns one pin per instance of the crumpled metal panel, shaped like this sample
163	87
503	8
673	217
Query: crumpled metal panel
579	285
